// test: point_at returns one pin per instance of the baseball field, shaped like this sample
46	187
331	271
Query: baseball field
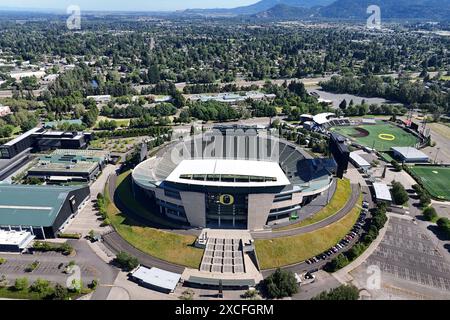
381	136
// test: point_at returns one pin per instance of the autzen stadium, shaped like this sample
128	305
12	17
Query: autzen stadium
232	177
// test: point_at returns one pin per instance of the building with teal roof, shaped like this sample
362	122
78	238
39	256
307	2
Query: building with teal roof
42	210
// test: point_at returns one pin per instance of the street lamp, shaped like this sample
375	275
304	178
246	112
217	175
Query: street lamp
437	152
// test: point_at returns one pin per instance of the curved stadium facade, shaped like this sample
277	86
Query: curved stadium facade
232	177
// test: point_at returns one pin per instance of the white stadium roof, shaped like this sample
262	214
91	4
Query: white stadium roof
221	167
322	118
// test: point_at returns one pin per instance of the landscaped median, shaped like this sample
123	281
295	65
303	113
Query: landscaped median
279	252
167	246
341	196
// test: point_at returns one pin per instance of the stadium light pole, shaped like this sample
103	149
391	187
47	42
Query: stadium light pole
437	152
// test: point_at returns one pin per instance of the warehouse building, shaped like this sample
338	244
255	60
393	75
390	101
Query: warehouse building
41	210
409	154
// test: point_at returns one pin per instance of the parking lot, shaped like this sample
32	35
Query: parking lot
407	253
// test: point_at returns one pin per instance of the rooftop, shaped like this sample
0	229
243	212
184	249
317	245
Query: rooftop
382	192
269	172
157	277
17	238
51	166
31	205
410	153
359	160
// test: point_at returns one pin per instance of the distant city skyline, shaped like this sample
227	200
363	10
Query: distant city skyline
120	5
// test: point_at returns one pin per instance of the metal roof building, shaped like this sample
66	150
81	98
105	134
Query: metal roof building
359	161
382	192
42	210
409	154
156	279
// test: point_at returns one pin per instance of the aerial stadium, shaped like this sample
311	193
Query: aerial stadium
232	177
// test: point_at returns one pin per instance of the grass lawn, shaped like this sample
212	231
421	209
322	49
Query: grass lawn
164	245
435	180
120	122
11	293
274	253
126	196
394	136
340	198
22	295
445	78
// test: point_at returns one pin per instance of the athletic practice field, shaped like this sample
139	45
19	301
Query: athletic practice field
380	136
435	180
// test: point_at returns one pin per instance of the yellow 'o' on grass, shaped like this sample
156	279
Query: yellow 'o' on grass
386	136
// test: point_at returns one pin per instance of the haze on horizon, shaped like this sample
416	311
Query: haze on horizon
120	5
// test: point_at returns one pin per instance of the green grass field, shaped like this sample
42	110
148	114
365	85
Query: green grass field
340	198
279	252
168	246
435	180
382	136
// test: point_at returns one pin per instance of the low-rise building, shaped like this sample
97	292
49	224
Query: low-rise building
41	210
410	154
15	241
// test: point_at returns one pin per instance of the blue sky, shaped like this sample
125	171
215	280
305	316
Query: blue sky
126	5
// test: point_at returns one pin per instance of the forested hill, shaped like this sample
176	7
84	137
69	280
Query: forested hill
390	9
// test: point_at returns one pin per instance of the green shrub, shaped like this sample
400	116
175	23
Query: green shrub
281	284
344	292
70	235
399	194
125	261
20	284
430	214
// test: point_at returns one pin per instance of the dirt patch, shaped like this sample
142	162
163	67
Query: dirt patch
360	133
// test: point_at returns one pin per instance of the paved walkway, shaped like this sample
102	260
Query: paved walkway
87	219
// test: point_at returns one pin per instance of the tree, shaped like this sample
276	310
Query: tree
281	284
60	293
397	166
344	292
430	213
41	286
21	284
399	194
338	263
126	261
425	199
343	105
